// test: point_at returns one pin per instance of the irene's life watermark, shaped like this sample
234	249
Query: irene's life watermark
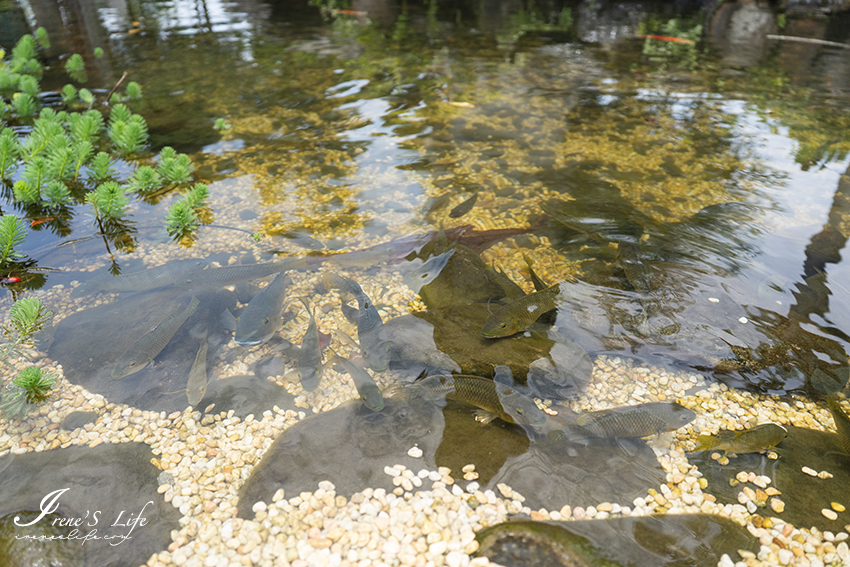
85	528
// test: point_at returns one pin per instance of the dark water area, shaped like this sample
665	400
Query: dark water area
590	204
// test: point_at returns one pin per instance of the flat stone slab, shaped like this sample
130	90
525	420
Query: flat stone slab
105	496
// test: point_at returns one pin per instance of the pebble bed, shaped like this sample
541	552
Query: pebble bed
429	519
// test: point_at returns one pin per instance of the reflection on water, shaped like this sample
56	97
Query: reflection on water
689	198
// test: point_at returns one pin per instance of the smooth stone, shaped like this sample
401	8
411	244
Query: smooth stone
108	487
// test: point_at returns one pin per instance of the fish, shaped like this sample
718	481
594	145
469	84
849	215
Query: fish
365	384
842	422
494	400
196	386
512	290
374	341
310	355
261	318
760	438
464	207
145	349
521	313
151	278
230	275
639	420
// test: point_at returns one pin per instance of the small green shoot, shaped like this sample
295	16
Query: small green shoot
221	124
12	234
76	68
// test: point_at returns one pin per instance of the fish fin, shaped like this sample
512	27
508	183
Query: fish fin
346	338
705	442
483	416
306	305
228	320
394	391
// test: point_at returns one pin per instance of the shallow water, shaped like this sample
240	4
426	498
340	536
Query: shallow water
725	162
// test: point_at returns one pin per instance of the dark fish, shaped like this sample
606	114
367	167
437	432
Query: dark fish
842	422
365	384
512	290
520	314
310	355
261	318
631	421
143	351
196	386
496	400
158	276
629	256
760	438
230	275
370	328
464	207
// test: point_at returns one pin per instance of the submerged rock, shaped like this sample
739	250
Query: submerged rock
464	279
692	539
107	494
77	419
246	395
804	496
351	445
552	364
88	343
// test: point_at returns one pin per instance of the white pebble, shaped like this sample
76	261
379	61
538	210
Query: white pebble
714	300
415	452
742	320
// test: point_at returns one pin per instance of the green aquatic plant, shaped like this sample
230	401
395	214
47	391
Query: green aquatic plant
12	235
109	201
100	168
29	390
174	168
98	52
133	90
185	216
76	68
8	152
128	131
221	124
31	387
41	37
24	104
145	180
86	97
69	94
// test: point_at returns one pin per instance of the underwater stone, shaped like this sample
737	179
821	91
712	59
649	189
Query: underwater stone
107	487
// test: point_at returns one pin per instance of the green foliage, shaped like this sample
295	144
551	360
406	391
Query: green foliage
133	90
145	180
8	80
108	200
45	133
26	192
57	194
28	316
8	152
98	52
29	84
35	173
24	104
81	152
86	97
41	37
100	167
26	392
174	167
31	387
128	131
198	196
221	124
76	68
86	126
181	221
25	49
69	94
60	161
12	234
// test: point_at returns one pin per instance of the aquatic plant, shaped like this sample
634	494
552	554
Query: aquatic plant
185	216
145	180
128	131
109	201
221	124
133	90
76	68
8	152
26	392
174	167
12	234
